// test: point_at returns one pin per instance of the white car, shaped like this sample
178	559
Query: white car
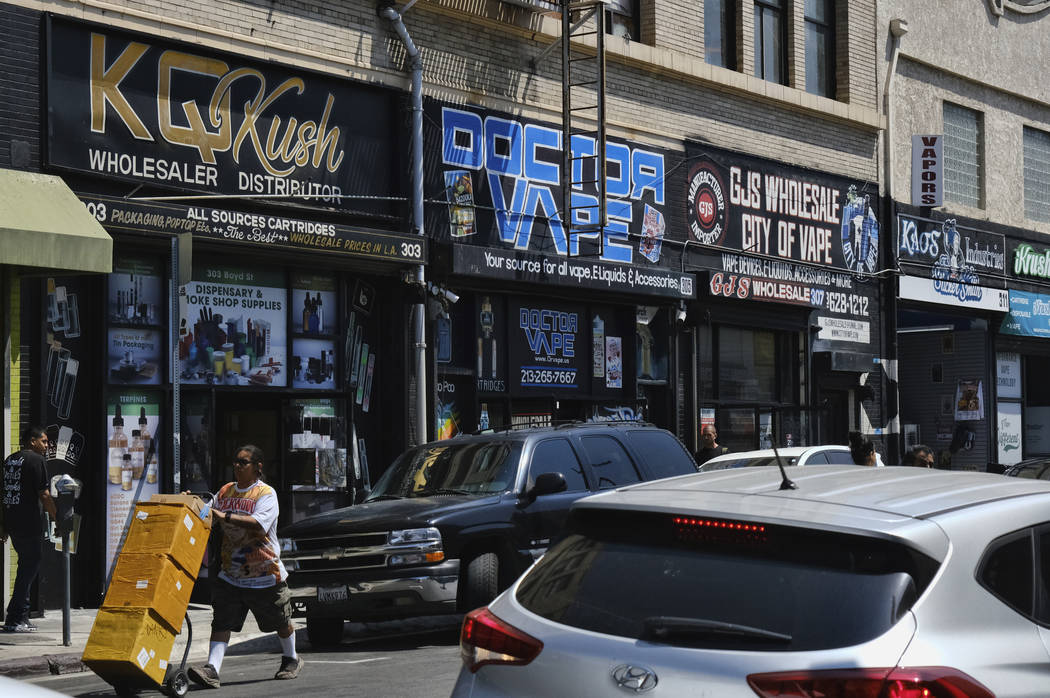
878	582
791	455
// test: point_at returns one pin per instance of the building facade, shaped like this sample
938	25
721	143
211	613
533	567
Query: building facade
969	168
254	171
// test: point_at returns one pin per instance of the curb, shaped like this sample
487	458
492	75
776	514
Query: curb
67	663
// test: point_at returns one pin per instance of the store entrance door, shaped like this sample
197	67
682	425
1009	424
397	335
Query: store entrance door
247	419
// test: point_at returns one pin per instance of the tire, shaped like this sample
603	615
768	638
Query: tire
481	583
179	684
324	632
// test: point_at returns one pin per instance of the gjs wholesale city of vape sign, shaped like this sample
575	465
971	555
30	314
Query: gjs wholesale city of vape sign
142	109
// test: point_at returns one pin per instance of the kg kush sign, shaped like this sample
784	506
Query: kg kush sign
156	112
747	204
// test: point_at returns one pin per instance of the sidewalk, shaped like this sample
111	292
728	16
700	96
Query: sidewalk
42	652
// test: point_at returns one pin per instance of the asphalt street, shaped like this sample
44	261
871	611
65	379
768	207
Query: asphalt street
420	665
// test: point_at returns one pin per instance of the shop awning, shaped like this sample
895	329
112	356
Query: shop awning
44	224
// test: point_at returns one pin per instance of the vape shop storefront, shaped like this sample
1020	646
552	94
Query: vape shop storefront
787	329
953	295
256	293
535	323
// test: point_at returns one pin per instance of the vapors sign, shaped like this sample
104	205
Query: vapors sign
927	179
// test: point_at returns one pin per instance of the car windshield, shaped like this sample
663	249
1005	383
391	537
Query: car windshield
448	467
747	462
731	588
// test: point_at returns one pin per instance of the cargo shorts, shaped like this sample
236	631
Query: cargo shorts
271	606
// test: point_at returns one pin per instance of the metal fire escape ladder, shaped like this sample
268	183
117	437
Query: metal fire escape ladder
583	114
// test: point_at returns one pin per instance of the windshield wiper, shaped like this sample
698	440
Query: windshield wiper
382	497
441	490
666	627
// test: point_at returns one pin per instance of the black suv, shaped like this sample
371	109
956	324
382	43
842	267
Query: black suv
452	523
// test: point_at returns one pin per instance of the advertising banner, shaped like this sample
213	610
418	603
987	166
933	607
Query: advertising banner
490	363
950	253
133	459
1008	375
1009	432
549	347
232	327
161	113
927	177
1029	315
502	178
748	204
954	293
263	230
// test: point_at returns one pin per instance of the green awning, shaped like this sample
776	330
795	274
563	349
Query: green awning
44	224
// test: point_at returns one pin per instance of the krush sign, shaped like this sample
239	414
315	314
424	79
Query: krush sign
155	112
751	205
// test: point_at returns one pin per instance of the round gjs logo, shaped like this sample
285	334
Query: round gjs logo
707	205
860	233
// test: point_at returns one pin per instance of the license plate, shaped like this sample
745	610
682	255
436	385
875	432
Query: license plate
332	594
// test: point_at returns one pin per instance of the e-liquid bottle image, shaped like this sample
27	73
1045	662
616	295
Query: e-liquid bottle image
118	446
137	455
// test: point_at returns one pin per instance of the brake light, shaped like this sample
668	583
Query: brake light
487	639
898	682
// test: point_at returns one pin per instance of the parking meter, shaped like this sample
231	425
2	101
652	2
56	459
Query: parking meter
65	490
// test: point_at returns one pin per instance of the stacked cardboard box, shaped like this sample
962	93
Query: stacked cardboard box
135	629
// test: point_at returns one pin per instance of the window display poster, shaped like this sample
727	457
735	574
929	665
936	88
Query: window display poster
133	458
1036	430
613	362
490	363
1009	432
1008	374
232	327
313	304
969	401
136	292
134	356
453	406
549	346
313	363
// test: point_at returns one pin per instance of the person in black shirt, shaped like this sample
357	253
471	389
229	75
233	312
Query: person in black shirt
709	447
25	489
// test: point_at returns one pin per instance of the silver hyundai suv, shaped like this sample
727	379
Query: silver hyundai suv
868	582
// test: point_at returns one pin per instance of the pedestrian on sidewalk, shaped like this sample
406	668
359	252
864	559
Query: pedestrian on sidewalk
709	446
25	489
251	576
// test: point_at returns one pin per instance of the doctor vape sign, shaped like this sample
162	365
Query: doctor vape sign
927	178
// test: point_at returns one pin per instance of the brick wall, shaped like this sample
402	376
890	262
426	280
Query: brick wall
19	89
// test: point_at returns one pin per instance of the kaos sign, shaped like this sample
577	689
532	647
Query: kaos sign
518	166
156	112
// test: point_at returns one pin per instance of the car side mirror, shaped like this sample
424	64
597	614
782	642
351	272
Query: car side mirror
547	483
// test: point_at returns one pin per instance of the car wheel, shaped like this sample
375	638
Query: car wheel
322	632
482	580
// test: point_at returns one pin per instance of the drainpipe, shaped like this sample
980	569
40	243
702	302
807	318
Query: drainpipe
898	28
415	62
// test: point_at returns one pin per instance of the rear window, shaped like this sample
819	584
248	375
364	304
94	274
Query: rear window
662	454
780	589
747	462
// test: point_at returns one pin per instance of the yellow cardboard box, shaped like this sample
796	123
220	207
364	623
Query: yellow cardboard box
196	504
149	580
129	646
170	529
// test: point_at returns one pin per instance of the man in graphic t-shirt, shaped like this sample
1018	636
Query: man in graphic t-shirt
25	489
251	575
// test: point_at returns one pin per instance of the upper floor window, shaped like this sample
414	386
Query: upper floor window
820	47
621	19
770	40
1036	175
720	33
963	155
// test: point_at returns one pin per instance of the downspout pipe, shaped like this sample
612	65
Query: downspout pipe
898	28
415	63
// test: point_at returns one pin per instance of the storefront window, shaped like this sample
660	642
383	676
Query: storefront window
1037	406
746	364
